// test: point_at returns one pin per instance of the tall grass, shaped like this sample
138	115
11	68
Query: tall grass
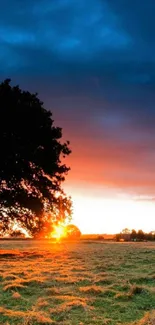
79	283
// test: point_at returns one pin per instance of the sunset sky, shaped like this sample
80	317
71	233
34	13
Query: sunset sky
93	64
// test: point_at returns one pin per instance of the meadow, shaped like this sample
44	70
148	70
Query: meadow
85	282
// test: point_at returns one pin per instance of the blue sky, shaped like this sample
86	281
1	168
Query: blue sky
93	64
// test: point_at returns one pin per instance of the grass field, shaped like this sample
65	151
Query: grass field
77	283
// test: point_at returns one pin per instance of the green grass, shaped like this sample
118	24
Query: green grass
77	283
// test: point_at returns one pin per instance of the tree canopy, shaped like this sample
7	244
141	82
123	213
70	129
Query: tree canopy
73	232
133	235
31	168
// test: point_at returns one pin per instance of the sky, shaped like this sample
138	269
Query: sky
93	64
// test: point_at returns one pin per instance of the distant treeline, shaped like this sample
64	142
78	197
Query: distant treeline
133	235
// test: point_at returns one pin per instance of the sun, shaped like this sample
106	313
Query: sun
59	232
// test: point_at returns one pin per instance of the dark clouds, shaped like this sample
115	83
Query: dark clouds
93	63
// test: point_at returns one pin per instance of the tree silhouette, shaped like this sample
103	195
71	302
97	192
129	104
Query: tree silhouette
133	234
31	171
126	231
17	234
140	235
73	232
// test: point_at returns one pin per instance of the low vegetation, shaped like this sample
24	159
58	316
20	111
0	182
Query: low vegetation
77	283
133	235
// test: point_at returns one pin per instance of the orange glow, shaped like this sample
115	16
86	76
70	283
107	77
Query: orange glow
59	232
99	215
106	177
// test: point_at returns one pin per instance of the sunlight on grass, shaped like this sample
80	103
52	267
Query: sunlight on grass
101	283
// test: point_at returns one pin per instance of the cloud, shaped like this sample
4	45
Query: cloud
93	63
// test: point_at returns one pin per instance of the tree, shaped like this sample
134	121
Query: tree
17	234
118	237
140	235
126	231
133	234
126	234
31	168
149	236
153	235
72	232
